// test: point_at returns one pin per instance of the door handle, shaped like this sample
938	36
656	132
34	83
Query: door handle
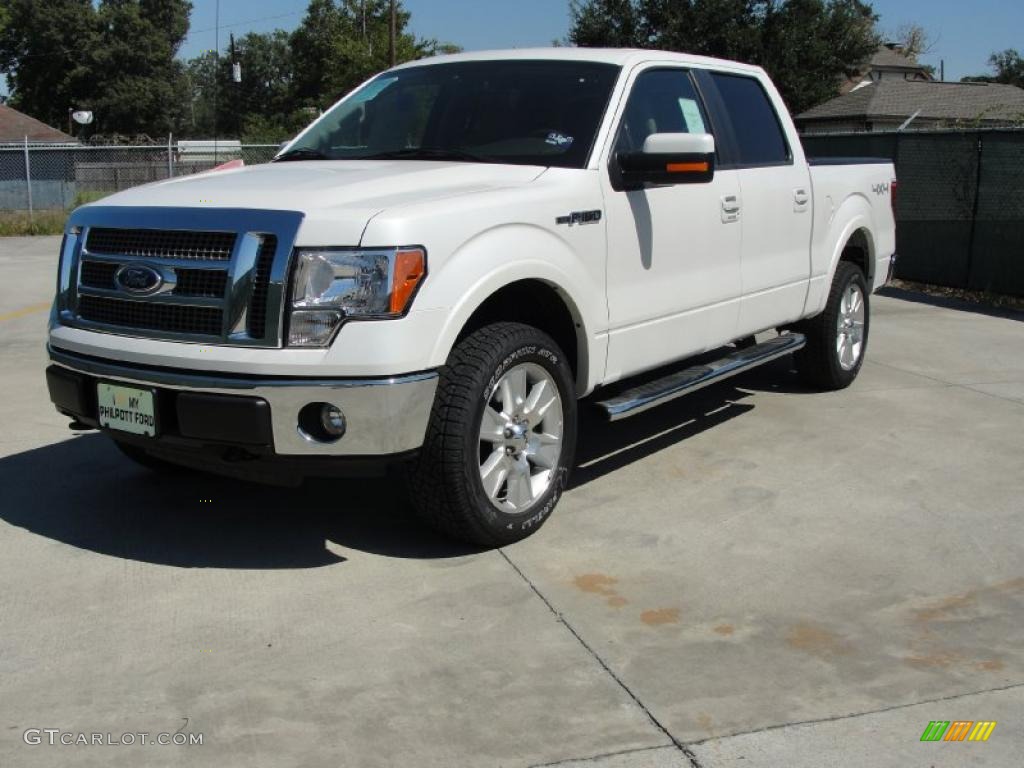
730	209
800	199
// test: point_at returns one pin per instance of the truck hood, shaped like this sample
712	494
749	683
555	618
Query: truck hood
338	198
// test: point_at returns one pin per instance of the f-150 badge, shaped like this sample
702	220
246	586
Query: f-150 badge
580	217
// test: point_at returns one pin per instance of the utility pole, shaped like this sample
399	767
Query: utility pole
392	35
216	74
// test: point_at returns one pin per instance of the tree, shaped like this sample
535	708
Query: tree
47	51
141	87
1008	67
807	46
914	40
605	23
261	108
340	44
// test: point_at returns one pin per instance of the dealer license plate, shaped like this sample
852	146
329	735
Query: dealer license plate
126	408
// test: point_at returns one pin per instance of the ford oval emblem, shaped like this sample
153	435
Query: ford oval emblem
138	279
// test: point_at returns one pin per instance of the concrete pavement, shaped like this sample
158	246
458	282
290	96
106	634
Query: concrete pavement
754	576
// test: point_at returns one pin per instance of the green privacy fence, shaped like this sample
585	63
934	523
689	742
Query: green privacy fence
960	207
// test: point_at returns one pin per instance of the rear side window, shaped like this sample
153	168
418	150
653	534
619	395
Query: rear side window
759	136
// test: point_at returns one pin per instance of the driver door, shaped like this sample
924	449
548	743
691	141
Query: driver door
674	280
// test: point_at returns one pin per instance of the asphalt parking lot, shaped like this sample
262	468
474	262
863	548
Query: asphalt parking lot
757	576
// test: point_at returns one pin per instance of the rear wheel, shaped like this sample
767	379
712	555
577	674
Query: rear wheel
837	339
501	437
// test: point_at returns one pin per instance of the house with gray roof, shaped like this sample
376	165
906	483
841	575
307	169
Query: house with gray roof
889	62
888	104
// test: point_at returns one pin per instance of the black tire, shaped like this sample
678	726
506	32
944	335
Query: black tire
819	362
445	481
143	459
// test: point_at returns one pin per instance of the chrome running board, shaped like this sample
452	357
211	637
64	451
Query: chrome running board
654	393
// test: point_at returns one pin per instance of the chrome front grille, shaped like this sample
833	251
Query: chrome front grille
162	243
168	318
257	320
211	283
199	283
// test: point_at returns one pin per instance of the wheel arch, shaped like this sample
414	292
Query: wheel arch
853	242
539	303
489	280
859	249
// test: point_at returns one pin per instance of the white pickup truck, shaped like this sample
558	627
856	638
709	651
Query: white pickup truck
439	268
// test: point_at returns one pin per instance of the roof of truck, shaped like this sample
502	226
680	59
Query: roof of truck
618	56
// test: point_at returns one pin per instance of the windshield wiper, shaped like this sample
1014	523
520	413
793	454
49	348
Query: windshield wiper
301	153
428	153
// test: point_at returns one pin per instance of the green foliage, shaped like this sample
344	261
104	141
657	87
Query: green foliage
807	46
18	223
118	58
288	79
1008	66
48	51
140	85
340	44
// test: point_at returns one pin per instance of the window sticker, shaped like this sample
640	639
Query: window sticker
559	140
691	114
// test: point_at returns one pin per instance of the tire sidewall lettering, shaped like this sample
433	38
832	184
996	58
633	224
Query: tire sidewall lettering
551	360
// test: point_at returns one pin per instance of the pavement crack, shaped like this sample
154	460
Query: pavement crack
970	387
690	755
602	756
851	715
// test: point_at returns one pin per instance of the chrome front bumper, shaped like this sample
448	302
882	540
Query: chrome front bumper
385	416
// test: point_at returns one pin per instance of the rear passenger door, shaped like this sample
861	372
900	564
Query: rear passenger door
775	200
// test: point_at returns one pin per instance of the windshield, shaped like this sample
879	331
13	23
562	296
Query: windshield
522	112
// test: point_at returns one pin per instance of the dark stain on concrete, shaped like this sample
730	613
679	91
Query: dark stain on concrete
816	640
603	585
660	616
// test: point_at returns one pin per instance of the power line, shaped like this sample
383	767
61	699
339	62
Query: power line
243	23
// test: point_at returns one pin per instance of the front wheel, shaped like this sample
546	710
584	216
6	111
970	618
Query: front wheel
837	338
501	437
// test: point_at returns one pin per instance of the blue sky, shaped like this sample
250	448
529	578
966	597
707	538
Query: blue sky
965	33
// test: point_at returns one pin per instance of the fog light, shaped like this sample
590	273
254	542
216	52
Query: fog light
322	422
332	420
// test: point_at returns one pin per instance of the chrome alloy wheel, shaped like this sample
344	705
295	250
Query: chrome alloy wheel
520	438
850	327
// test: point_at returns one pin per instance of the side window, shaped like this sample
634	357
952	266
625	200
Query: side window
662	101
759	136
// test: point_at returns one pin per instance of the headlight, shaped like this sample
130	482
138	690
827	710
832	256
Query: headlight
330	285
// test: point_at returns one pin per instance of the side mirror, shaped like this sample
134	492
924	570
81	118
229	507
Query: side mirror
669	158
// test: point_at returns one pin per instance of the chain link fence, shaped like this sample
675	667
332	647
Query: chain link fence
41	177
959	212
960	205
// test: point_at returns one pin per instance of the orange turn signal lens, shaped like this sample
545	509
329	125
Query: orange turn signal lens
410	267
687	167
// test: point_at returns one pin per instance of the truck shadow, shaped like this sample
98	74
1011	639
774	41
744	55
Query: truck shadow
951	302
82	492
605	447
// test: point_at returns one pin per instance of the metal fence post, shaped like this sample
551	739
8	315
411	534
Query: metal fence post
28	181
980	150
170	156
